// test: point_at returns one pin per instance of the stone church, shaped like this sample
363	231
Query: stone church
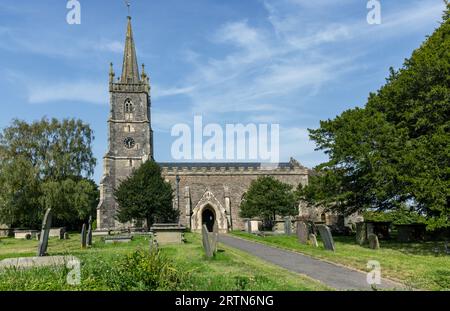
203	192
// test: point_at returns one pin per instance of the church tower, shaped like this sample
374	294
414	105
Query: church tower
130	140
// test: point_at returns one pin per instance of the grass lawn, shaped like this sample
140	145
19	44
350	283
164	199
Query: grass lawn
414	264
229	270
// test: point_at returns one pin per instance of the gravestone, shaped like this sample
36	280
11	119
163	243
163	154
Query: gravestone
57	233
247	226
165	233
254	226
43	239
22	263
327	238
66	235
361	233
373	241
89	232
83	236
206	243
25	234
302	232
313	240
287	226
118	239
214	237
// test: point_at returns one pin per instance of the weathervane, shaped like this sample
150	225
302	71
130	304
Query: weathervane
128	4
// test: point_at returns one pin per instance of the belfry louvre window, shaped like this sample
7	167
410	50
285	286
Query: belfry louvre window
128	106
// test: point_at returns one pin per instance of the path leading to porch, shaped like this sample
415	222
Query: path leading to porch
338	277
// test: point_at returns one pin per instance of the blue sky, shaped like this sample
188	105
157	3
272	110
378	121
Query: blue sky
291	62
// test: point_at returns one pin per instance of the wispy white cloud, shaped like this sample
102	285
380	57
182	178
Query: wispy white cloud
54	44
79	91
39	91
159	92
112	46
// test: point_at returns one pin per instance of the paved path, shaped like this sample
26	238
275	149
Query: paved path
335	276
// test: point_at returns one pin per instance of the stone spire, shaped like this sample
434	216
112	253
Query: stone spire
130	71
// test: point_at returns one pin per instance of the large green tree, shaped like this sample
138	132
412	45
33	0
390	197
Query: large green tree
44	164
268	197
394	152
145	195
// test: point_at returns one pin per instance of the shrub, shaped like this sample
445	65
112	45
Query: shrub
143	270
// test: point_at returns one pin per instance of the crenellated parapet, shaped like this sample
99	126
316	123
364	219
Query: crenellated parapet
129	88
169	169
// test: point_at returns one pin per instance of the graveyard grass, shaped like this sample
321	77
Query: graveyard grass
414	264
229	270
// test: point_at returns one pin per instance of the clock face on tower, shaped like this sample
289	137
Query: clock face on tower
129	142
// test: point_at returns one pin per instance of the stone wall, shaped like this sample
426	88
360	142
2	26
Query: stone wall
223	182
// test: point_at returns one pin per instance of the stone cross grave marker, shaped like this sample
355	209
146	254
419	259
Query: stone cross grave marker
43	239
89	232
206	242
327	238
373	241
83	236
302	232
313	240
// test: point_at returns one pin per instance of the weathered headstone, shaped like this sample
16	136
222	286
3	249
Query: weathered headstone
302	232
313	240
43	239
247	226
118	239
287	225
327	238
165	233
83	236
361	233
214	237
373	241
206	243
89	232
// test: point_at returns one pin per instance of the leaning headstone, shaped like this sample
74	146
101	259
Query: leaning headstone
302	232
373	241
43	239
83	236
313	240
89	232
327	238
214	237
287	226
206	243
361	233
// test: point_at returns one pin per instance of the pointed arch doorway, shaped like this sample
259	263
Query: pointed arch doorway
208	218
